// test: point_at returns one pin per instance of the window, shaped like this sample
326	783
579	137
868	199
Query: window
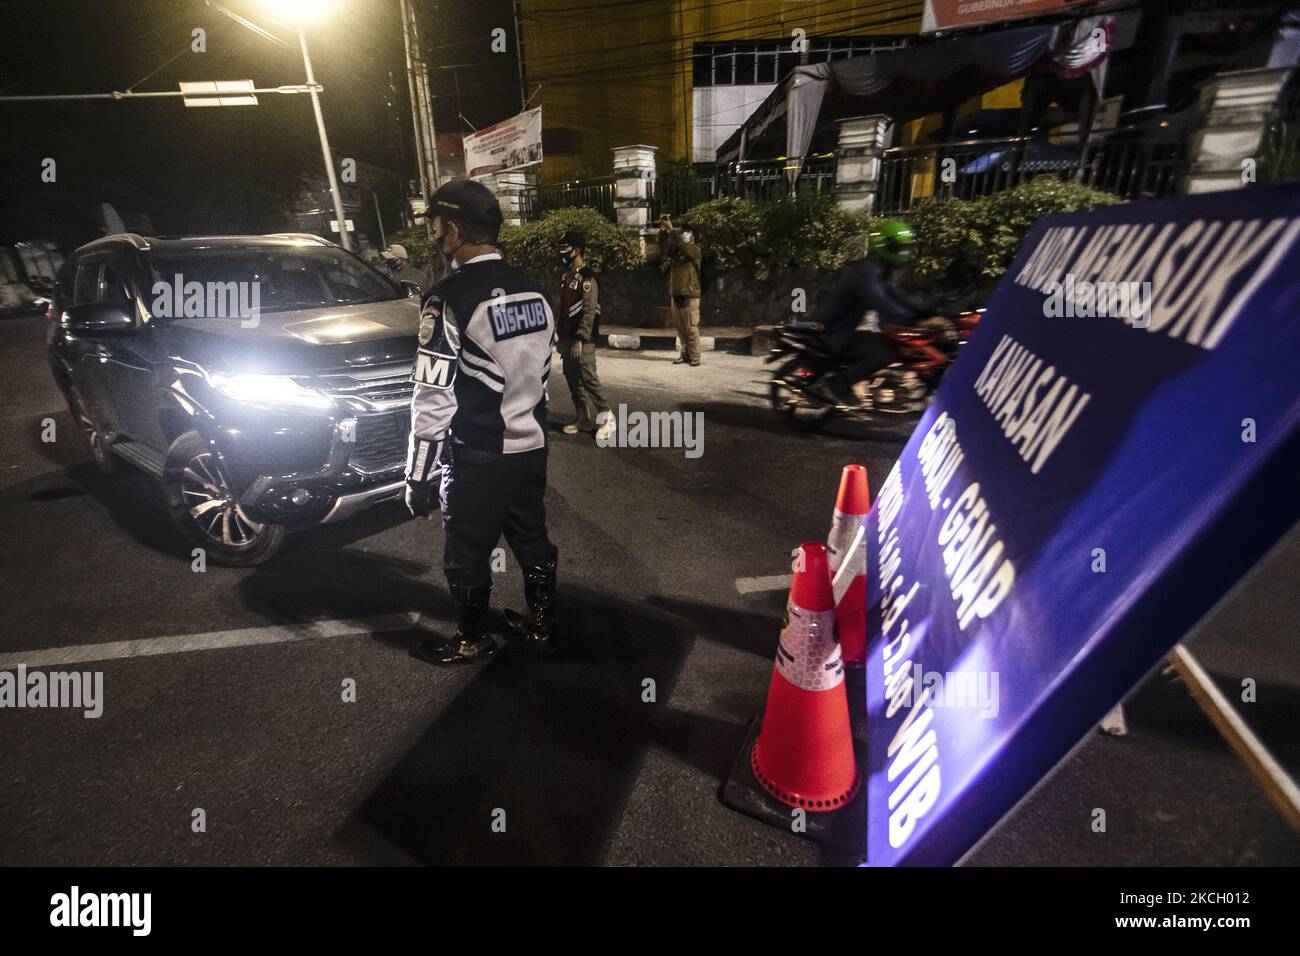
702	73
85	289
786	61
283	277
114	289
745	68
768	61
723	66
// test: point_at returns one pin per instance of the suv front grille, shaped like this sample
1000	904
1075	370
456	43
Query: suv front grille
380	441
378	388
380	398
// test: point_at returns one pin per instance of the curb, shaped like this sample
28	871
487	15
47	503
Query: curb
668	343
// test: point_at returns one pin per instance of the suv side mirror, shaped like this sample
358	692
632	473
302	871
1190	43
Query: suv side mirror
413	290
99	318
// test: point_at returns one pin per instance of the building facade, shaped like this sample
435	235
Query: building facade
678	75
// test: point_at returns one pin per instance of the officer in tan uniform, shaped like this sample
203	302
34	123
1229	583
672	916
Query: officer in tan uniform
680	248
575	327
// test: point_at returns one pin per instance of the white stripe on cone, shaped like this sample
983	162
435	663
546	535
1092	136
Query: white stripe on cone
846	550
809	653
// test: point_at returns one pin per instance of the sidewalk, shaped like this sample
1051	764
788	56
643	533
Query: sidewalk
713	338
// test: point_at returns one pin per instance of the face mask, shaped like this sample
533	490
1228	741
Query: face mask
567	257
688	236
442	243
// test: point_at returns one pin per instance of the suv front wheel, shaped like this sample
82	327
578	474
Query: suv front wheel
207	510
96	440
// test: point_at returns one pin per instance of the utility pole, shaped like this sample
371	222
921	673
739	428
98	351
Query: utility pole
400	156
519	56
417	79
344	240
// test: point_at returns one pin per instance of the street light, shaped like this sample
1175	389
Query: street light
299	11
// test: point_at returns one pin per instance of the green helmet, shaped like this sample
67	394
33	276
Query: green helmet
893	241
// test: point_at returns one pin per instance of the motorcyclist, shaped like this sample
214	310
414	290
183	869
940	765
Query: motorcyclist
868	285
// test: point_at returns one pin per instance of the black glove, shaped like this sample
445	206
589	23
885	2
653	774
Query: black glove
422	498
423	475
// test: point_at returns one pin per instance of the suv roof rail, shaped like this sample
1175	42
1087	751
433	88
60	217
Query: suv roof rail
298	235
136	240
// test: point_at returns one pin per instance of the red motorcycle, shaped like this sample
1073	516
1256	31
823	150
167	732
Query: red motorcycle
806	389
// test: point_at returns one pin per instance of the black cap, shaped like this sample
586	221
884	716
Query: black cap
575	238
467	201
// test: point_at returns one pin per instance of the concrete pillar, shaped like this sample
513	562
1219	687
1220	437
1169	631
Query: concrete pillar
1237	108
634	185
513	189
858	165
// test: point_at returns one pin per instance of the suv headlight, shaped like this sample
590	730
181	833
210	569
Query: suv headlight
267	390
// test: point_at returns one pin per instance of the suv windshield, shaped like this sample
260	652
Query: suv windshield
284	277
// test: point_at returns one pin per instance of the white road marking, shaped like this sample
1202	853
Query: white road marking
773	582
211	641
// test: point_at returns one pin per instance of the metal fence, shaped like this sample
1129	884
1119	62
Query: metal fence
676	194
598	193
1129	162
764	179
767	179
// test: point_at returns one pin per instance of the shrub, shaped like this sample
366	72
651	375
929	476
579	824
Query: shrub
963	243
812	231
1005	218
732	231
532	246
807	231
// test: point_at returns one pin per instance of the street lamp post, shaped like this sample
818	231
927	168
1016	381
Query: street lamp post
344	239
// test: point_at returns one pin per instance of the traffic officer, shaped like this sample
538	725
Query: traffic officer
682	249
577	317
478	423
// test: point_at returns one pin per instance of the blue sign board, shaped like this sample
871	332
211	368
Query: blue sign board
1117	444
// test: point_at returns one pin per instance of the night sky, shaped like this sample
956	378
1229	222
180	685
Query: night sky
219	169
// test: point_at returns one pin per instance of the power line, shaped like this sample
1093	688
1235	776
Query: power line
620	64
652	65
653	68
745	24
47	69
748	24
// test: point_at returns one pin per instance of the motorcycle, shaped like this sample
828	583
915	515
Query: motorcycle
801	385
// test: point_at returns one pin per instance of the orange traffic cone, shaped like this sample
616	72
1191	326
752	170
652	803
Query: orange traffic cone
848	553
804	754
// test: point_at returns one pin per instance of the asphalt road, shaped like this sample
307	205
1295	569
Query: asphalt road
252	728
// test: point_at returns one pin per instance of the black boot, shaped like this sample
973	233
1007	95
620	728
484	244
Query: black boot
472	642
537	629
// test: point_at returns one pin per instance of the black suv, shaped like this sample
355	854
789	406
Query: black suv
264	380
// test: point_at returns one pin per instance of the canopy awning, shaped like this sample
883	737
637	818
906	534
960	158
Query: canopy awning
915	81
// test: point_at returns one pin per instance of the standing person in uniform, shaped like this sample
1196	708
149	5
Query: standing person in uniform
679	246
401	269
478	423
576	320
